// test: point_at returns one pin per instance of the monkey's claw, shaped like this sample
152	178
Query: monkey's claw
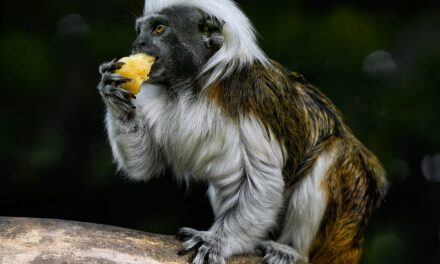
186	233
114	78
209	248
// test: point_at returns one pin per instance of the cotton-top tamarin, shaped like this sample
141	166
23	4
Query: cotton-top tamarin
286	176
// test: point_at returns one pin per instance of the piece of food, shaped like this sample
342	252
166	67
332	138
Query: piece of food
136	67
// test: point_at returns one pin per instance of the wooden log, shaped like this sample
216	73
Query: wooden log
47	241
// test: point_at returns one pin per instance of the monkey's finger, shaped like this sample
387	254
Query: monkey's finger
117	65
103	68
280	260
268	250
189	245
116	79
118	98
270	259
262	247
185	233
123	94
113	78
125	106
286	259
215	258
110	66
201	255
118	93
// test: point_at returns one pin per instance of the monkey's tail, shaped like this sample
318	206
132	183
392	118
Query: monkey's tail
356	186
376	178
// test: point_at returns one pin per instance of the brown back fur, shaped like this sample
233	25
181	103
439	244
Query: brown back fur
307	123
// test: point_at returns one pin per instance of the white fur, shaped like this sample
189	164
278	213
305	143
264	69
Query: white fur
240	47
132	149
306	208
240	159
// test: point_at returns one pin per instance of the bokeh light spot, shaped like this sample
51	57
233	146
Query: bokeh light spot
379	63
73	25
431	167
399	169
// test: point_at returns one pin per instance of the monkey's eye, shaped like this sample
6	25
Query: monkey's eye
205	28
159	29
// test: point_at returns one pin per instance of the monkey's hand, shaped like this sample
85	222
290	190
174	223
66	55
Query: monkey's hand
209	246
110	88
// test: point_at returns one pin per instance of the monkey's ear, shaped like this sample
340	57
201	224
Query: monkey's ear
211	29
214	24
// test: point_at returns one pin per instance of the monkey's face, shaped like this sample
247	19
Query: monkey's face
181	38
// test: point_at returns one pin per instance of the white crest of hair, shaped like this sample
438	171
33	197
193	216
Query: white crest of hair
240	46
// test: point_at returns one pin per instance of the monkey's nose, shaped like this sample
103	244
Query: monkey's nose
140	43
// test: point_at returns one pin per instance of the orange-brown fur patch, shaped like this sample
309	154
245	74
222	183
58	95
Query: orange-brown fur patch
354	187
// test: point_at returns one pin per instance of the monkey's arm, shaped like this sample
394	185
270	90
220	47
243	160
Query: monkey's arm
133	147
132	144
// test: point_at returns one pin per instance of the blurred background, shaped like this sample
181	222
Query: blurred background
379	61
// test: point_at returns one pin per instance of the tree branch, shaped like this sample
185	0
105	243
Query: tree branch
38	241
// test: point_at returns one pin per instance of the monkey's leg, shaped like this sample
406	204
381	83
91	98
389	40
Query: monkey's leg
248	193
305	210
237	229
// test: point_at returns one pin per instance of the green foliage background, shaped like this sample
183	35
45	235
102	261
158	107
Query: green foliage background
379	61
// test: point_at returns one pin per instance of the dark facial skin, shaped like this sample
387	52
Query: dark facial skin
182	39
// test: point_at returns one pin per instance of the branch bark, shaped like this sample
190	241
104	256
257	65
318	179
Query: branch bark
38	241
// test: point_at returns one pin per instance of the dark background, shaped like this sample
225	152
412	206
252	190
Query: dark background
379	61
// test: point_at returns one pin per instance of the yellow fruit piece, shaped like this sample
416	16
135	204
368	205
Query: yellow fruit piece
136	67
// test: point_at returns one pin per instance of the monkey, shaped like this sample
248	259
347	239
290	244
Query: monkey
287	178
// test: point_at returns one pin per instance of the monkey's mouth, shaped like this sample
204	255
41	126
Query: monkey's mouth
157	72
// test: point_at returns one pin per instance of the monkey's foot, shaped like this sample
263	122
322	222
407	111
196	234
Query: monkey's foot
208	246
277	253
